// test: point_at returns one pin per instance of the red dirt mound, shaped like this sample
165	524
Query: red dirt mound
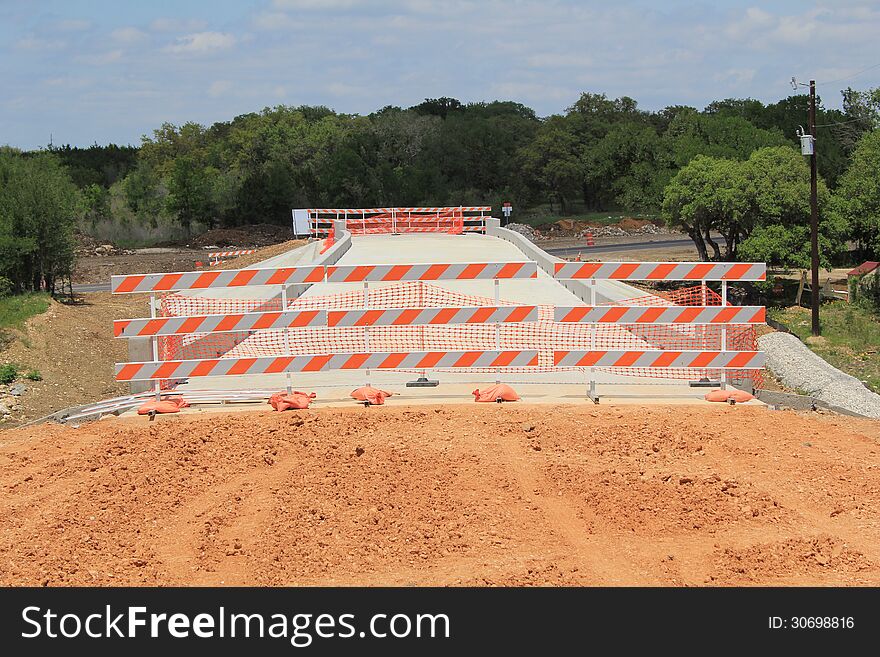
478	494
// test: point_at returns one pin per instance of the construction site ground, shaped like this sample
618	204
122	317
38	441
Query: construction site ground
72	344
73	348
487	494
98	269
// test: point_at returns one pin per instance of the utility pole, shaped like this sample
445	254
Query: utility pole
808	147
814	212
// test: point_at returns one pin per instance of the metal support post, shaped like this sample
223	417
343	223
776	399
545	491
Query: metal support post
286	337
497	328
367	328
591	393
723	333
155	344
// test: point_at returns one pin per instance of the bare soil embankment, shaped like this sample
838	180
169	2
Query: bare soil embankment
470	495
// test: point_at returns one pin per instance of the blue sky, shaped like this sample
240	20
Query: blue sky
101	71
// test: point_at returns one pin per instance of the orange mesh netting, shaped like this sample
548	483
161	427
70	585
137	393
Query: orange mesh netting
544	335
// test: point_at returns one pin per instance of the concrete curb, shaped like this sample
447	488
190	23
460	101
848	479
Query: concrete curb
546	261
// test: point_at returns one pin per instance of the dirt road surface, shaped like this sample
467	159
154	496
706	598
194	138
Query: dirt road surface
465	495
99	269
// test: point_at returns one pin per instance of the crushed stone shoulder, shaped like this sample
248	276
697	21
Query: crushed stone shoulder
798	367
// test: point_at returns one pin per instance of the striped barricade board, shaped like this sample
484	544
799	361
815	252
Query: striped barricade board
146	327
197	280
431	272
292	319
346	211
660	314
661	358
182	369
428	316
227	254
663	271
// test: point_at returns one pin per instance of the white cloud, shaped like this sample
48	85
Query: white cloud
275	20
177	25
531	91
36	43
128	35
219	88
68	82
559	60
344	89
202	42
73	25
101	59
316	4
737	76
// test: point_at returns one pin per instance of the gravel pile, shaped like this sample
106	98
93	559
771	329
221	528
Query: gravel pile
617	231
798	367
526	231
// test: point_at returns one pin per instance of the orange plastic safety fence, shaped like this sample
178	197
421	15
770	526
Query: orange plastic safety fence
545	335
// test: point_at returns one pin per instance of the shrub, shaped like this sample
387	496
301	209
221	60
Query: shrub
6	287
8	372
34	375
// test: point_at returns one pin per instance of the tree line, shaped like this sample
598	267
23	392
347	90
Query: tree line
730	175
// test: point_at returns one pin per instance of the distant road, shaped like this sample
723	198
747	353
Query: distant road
562	251
625	246
91	287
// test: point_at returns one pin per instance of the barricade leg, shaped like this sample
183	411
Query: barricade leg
591	392
724	333
157	387
287	349
367	328
497	329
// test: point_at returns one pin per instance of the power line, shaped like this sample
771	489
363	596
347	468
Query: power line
828	125
847	77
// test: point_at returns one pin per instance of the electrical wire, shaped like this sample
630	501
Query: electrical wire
847	77
828	125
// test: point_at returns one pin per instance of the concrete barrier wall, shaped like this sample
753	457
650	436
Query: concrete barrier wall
330	257
581	289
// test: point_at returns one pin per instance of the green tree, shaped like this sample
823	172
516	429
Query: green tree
552	161
705	198
778	218
38	204
856	201
631	164
760	208
188	192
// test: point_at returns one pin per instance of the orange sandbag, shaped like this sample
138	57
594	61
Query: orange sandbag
370	394
717	395
494	393
281	401
172	405
739	396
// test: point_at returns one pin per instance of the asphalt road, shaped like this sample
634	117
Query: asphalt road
562	251
625	246
91	287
